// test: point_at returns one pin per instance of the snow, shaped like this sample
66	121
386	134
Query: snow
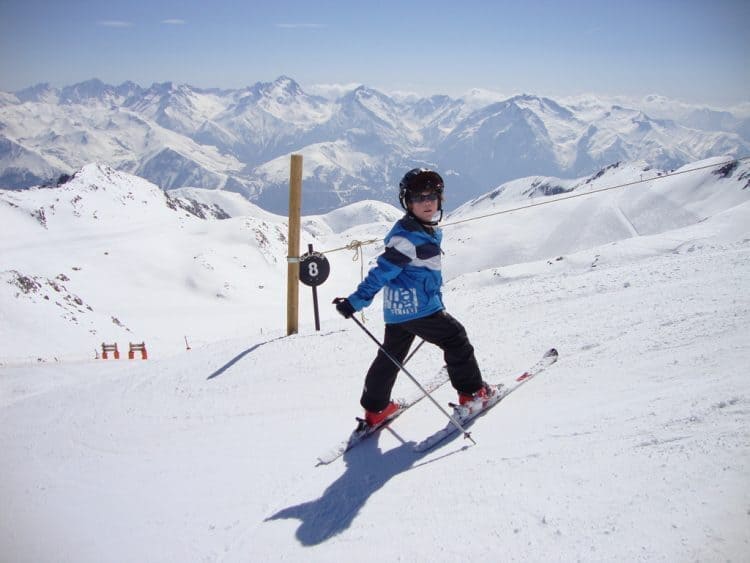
177	135
234	204
325	158
634	446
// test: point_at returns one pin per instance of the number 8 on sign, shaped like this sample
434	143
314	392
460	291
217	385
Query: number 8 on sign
313	268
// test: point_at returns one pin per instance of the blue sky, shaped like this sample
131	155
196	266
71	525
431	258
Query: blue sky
693	50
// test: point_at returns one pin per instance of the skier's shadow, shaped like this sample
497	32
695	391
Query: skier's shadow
367	471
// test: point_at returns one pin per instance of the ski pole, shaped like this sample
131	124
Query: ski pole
414	351
421	388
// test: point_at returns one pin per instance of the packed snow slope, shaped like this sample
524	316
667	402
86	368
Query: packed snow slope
633	447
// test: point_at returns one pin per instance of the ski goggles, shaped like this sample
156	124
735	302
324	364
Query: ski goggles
419	198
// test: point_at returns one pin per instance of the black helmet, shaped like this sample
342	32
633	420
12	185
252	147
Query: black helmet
419	180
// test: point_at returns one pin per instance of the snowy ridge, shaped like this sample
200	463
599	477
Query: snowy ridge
634	448
647	208
356	146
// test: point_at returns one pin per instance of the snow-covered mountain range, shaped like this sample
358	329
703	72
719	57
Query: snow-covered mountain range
356	147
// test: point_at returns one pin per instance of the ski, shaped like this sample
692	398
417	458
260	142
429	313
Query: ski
465	415
363	431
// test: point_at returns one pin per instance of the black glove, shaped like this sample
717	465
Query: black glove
344	307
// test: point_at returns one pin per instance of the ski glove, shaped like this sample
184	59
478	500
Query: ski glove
344	307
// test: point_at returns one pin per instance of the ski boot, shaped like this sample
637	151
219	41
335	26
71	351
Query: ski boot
376	418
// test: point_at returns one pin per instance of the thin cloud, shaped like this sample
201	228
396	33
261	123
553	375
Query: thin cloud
114	23
300	25
332	91
173	21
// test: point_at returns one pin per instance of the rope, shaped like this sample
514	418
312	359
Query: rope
626	184
357	245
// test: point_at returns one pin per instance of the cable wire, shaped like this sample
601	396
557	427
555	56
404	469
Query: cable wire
357	245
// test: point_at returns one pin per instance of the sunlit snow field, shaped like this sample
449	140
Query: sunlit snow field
634	446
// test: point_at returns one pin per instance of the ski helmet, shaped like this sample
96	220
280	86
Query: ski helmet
418	180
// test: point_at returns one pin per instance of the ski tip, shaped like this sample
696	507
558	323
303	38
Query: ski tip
551	353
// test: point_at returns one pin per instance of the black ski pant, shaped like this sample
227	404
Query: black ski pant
440	329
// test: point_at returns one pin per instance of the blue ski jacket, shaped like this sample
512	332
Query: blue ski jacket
409	272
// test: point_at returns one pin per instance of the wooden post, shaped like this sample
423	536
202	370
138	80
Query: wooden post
295	209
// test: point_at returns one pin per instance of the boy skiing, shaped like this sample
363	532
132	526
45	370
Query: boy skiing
409	272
